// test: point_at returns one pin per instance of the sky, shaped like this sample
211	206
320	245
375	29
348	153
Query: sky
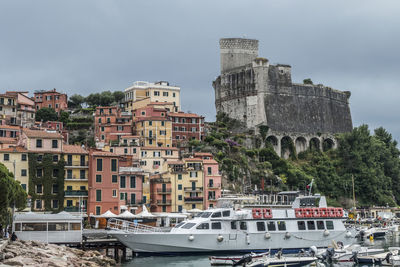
94	45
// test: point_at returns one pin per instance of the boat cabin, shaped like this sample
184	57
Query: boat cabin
58	228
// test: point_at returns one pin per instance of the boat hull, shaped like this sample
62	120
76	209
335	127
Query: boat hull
181	243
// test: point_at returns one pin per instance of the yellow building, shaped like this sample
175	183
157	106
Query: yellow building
76	178
154	92
153	127
16	158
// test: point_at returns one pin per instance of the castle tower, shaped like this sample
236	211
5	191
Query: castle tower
237	52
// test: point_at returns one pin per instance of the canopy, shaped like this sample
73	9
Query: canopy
126	215
145	213
107	214
194	211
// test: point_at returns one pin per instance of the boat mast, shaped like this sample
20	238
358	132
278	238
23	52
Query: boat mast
354	194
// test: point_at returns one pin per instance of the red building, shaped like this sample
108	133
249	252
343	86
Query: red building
51	99
103	182
186	127
111	124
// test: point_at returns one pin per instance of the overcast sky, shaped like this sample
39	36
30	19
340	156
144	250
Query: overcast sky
89	46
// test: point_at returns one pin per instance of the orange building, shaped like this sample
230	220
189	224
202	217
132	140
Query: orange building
51	99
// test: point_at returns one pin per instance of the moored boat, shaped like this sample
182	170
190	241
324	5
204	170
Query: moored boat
309	222
231	260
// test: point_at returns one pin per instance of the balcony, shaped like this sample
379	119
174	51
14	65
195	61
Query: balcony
76	179
137	202
163	203
164	191
214	186
193	199
212	198
77	164
193	189
76	193
74	209
160	180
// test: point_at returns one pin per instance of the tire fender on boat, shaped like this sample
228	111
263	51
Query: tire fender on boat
220	238
267	235
287	235
326	233
191	238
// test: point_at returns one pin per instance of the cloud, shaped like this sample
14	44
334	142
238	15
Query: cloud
88	46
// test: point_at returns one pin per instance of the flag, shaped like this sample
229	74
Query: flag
310	184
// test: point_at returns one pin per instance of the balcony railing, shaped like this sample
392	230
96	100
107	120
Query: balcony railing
164	191
76	178
77	164
75	193
161	180
193	199
193	189
137	202
163	203
214	185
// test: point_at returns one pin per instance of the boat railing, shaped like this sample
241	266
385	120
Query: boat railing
127	226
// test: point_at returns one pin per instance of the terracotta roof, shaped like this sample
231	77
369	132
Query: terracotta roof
203	154
193	159
14	149
186	115
74	149
158	148
8	96
209	161
130	136
42	134
103	153
8	140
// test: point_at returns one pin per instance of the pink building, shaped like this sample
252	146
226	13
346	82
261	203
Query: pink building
41	141
103	182
212	179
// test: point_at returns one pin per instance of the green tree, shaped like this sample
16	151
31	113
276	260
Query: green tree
118	96
76	101
11	193
46	114
64	117
307	81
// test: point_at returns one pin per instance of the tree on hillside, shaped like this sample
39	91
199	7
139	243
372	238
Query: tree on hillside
46	114
307	81
118	96
11	193
64	117
76	101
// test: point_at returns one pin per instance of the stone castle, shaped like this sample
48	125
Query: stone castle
255	92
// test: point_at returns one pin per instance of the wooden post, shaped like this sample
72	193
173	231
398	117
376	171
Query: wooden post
116	253
124	254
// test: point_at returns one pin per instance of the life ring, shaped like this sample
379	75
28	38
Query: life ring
339	212
267	213
323	212
299	213
308	212
257	214
316	212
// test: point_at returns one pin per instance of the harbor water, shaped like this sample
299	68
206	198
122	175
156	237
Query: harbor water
203	261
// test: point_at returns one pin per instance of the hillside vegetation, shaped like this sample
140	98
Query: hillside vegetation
247	161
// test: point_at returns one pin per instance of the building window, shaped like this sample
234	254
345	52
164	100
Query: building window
180	208
69	188
102	128
114	179
54	143
133	182
165	93
114	193
156	154
23	172
209	170
168	152
156	93
193	174
39	143
55	173
39	172
122	196
179	186
122	181
156	163
38	204
163	132
98	195
173	94
133	198
98	178
98	210
125	151
69	174
69	203
82	174
55	189
23	157
6	157
194	129
113	165
179	197
99	165
99	120
55	158
39	189
179	176
23	186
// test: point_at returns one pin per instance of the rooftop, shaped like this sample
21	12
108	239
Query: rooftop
42	134
186	115
147	85
74	149
14	149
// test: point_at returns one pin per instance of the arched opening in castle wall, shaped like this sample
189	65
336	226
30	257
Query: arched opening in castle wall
274	142
301	144
314	144
328	144
287	147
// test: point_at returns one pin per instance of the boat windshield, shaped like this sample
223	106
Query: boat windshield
179	224
188	225
205	214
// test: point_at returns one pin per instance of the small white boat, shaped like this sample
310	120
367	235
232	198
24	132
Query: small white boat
282	261
393	257
346	253
231	260
370	259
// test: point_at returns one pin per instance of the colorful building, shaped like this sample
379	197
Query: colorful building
16	161
103	182
155	92
51	99
186	127
76	178
41	141
153	126
25	109
8	109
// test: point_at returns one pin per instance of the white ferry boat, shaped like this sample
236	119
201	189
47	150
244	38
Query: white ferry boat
309	222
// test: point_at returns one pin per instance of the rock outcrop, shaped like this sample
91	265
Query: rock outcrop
32	253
